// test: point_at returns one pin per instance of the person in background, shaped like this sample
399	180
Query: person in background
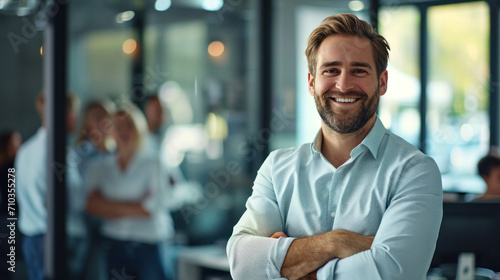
93	138
155	116
10	141
488	168
184	192
31	188
126	191
358	202
154	146
84	250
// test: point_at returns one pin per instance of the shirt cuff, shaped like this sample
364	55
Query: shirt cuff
277	256
149	204
327	271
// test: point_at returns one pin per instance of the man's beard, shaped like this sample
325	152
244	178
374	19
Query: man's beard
340	121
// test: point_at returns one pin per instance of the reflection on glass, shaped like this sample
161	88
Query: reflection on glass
457	115
399	106
104	60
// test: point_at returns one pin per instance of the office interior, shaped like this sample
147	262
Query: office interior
232	77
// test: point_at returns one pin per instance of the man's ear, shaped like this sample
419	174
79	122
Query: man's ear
310	83
382	83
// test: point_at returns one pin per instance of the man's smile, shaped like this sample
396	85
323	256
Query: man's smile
344	100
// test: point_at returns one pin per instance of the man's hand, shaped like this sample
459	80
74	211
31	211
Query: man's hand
306	255
310	276
278	235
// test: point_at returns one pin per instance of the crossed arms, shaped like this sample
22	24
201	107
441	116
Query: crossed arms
99	205
401	248
387	242
306	255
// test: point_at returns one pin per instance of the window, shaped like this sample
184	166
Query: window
398	108
457	92
457	76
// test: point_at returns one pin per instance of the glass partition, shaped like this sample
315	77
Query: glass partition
457	92
398	108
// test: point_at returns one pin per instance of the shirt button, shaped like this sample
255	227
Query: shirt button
332	214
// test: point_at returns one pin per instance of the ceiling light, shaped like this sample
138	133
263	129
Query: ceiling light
129	46
163	5
216	48
124	16
212	5
356	5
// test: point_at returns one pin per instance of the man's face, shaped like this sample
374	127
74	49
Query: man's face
71	119
346	86
154	114
493	181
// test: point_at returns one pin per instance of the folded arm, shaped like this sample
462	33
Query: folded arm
100	206
406	238
306	255
252	254
402	248
258	249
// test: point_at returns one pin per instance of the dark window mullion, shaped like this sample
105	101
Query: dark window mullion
423	61
494	75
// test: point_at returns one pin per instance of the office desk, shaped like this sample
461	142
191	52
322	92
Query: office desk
192	260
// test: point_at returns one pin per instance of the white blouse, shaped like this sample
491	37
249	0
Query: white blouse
140	182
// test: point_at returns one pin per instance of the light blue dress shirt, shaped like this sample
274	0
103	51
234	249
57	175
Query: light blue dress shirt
387	188
31	184
31	187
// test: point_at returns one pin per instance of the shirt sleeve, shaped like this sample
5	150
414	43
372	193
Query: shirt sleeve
92	176
252	254
158	190
405	241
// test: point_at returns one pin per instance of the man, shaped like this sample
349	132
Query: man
10	141
359	202
31	188
489	169
154	142
153	110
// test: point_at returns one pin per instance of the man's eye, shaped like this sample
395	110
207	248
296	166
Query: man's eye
359	71
330	71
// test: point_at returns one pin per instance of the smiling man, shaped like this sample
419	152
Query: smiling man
357	203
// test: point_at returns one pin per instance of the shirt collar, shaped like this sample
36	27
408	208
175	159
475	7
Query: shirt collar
372	140
41	132
318	142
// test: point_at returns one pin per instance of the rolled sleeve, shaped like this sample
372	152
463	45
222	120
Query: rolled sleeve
252	254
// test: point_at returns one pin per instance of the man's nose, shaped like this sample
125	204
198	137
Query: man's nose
344	82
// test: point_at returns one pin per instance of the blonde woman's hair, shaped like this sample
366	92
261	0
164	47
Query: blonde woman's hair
138	120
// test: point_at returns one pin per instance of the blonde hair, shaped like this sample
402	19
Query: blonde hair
347	24
138	120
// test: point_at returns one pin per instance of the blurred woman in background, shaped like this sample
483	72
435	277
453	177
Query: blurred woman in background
127	192
93	139
92	143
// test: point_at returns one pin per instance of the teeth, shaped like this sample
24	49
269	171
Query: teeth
345	100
